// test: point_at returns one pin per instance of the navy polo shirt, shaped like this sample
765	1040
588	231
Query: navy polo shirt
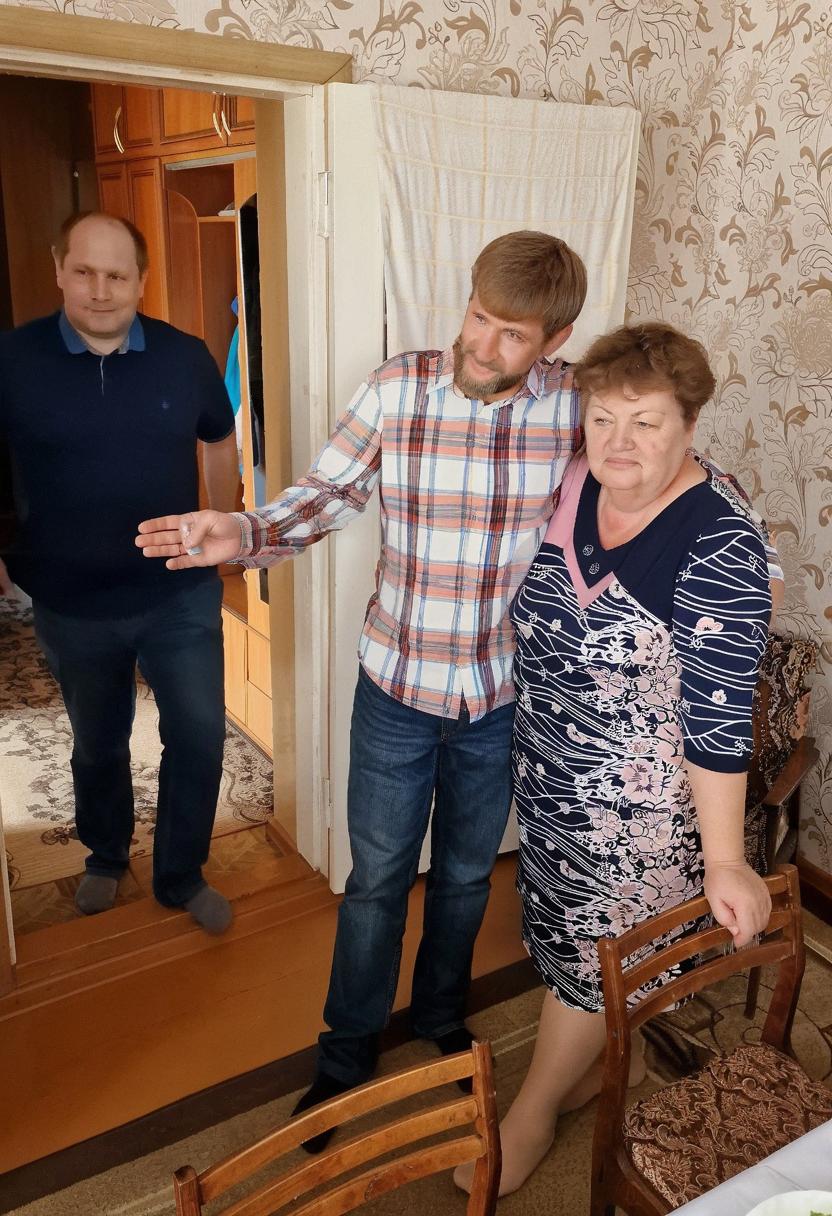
99	443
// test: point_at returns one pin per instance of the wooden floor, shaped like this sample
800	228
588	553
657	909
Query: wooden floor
115	1016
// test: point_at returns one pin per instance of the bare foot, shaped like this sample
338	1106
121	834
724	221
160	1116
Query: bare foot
589	1085
525	1142
464	1176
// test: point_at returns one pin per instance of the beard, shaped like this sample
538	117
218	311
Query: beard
479	389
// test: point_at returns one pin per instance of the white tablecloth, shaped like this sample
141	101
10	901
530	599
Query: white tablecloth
803	1165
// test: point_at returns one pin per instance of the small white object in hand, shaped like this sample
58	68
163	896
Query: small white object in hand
185	529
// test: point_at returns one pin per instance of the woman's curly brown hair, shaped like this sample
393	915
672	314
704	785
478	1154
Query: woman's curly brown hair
645	358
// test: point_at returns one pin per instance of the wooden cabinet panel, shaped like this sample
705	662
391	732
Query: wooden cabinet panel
218	275
129	119
113	195
258	610
184	278
239	116
147	213
107	101
139	120
234	638
124	115
259	662
132	189
186	115
259	716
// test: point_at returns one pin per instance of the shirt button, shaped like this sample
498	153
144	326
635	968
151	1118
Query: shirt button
594	568
587	549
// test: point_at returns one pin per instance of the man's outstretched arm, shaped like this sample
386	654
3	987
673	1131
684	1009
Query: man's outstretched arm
335	491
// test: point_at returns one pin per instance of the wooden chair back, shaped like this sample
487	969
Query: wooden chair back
474	1117
783	757
783	753
614	1179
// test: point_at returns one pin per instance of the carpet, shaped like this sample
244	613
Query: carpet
36	783
712	1021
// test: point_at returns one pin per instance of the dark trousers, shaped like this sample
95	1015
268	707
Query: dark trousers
401	762
178	647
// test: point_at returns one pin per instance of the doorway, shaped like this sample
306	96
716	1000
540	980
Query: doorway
153	134
181	165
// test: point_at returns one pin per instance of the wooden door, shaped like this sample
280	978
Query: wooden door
144	185
37	154
190	118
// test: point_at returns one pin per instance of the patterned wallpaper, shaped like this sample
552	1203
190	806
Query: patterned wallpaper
733	228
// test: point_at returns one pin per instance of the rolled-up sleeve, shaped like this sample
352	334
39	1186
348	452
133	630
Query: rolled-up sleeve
335	490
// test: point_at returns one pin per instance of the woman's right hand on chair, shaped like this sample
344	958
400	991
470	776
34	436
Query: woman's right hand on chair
739	899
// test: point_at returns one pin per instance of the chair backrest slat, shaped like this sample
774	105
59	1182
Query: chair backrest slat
706	974
654	928
324	1187
705	940
355	1152
366	1098
384	1178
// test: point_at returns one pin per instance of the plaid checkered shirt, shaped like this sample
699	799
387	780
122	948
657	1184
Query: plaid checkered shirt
467	491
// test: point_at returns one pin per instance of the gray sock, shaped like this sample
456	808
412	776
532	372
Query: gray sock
210	910
95	893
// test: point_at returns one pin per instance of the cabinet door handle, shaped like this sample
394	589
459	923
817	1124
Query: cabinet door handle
116	136
215	120
223	119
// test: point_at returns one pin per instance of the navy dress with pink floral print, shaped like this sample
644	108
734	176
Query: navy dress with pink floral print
629	661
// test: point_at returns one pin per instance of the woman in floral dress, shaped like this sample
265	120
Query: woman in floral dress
640	629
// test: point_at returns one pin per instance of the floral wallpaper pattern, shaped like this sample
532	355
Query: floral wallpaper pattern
733	227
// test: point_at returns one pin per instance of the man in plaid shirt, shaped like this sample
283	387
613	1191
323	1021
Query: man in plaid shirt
468	447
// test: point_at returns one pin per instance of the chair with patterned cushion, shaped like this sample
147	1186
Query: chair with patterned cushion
687	1138
783	756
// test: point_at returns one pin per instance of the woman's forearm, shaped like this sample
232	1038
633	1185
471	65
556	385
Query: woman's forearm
738	897
719	799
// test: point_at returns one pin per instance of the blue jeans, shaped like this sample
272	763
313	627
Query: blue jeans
178	647
401	762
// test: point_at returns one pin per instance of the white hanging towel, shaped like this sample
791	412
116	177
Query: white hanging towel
458	169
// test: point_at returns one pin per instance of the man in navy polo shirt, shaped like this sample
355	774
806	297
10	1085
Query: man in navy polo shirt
102	408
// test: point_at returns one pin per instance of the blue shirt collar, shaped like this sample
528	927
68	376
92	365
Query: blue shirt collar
76	345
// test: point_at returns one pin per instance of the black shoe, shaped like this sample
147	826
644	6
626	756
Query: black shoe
322	1088
453	1041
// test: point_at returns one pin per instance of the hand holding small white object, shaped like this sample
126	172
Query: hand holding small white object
200	538
185	528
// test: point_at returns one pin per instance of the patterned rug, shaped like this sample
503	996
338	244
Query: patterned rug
676	1042
36	782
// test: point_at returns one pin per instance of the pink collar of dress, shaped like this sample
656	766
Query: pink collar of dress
561	532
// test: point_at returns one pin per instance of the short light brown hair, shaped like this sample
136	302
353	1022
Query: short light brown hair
530	275
61	246
646	358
